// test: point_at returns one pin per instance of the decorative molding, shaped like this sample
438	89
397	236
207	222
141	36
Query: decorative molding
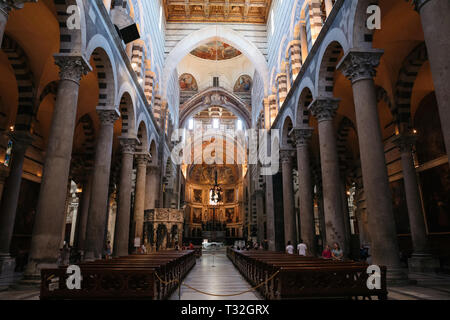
72	67
128	144
286	155
142	159
360	64
107	116
302	136
324	109
405	142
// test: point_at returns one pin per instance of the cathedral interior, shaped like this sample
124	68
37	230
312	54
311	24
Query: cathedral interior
133	128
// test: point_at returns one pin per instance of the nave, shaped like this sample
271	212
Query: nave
214	273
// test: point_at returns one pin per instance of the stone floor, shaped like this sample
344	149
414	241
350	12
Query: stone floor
214	273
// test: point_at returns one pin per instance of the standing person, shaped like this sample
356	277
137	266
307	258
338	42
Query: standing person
337	253
289	248
301	248
191	246
143	249
108	250
364	253
326	253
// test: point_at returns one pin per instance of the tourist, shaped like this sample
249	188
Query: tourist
364	253
337	253
143	249
191	246
108	250
326	253
301	248
289	248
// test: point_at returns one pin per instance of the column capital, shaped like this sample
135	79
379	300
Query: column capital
302	136
360	64
405	142
128	144
107	115
142	159
72	67
152	168
286	155
418	4
324	108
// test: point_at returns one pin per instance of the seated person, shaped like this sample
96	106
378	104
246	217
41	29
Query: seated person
337	253
326	253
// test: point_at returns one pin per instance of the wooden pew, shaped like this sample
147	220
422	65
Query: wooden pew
305	277
130	277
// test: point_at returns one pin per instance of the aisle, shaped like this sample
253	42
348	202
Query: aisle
221	279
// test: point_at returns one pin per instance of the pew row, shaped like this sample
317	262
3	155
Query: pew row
147	277
305	277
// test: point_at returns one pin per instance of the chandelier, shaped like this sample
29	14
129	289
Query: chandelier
215	193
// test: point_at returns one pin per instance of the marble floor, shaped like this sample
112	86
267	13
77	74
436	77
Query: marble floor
214	273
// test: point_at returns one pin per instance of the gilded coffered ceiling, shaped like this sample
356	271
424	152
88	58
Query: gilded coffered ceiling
233	11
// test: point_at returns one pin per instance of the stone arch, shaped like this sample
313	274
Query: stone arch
359	36
221	33
153	150
25	83
287	126
226	100
73	41
50	88
332	48
405	83
126	109
304	100
99	50
142	135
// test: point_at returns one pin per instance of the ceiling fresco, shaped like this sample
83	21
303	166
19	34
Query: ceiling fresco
216	50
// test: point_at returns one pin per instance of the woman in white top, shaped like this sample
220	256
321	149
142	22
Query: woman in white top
289	248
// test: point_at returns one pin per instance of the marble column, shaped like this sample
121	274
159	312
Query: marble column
270	214
52	196
359	66
324	109
122	229
290	225
303	41
421	260
151	186
8	208
83	212
98	207
259	194
139	199
3	175
328	7
282	88
307	228
435	24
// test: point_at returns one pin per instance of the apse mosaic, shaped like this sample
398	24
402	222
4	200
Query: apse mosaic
216	50
188	82
243	84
